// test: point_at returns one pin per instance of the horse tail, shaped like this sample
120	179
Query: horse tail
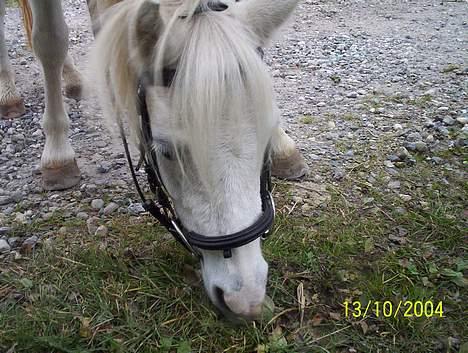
27	20
220	81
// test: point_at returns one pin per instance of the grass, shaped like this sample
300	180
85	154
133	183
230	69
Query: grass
12	3
379	101
307	119
135	290
450	68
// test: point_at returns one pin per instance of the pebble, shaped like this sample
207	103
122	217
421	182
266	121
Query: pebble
449	120
413	137
443	130
403	153
104	167
401	210
464	130
397	127
5	200
21	218
92	225
101	231
4	246
82	215
29	244
420	146
394	184
338	174
4	230
405	197
14	241
136	208
97	204
110	208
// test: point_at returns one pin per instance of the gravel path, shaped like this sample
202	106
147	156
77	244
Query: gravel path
353	77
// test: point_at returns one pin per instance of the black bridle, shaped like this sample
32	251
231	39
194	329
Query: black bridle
161	207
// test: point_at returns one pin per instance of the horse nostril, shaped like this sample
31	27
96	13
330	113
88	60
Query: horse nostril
233	305
221	302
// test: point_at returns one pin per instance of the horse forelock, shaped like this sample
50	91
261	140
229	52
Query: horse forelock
221	87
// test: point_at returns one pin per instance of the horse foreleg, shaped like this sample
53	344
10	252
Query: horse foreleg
11	104
50	44
73	79
288	162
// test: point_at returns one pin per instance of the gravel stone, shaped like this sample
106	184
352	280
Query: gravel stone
414	137
5	230
92	225
394	184
5	200
421	146
97	204
4	246
14	241
101	231
403	153
449	120
136	208
82	215
29	244
110	208
405	198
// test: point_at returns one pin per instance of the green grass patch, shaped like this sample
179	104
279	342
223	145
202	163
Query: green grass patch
12	3
136	290
450	68
307	119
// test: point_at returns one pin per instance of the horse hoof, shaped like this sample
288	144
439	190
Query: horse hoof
74	91
12	110
291	167
61	178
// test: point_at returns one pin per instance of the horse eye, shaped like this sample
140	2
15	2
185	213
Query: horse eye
165	148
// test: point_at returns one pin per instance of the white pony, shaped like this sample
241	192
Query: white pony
215	119
211	126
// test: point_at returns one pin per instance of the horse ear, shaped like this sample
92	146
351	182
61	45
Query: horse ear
149	27
264	17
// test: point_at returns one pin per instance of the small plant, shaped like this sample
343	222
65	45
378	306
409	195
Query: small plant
307	119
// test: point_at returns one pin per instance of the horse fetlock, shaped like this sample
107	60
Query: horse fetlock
11	103
12	108
74	90
73	80
289	166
